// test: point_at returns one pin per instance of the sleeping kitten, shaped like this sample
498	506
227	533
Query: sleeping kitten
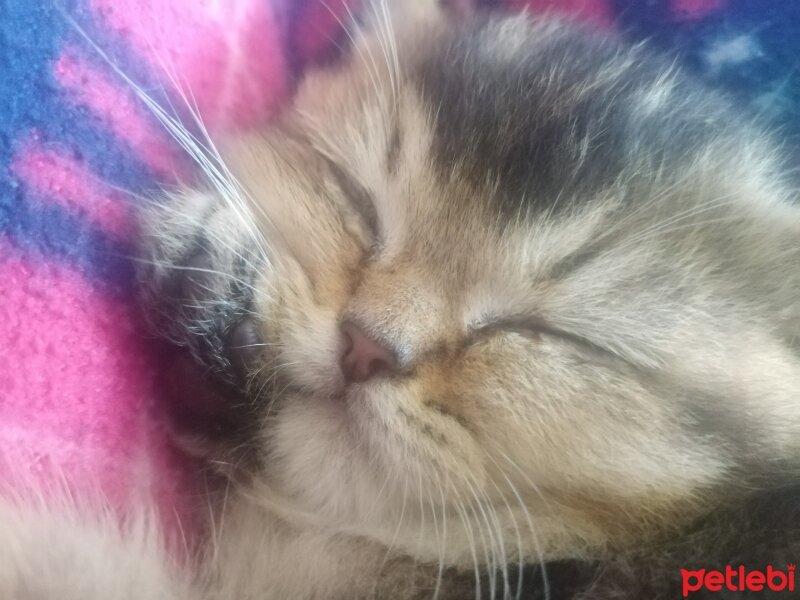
499	307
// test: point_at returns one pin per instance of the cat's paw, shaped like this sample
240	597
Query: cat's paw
199	271
198	274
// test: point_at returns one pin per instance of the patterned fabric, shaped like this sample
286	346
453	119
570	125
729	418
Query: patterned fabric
751	48
81	389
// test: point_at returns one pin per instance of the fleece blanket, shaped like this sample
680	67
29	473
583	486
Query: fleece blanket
82	387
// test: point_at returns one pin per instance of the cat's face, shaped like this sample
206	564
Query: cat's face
521	290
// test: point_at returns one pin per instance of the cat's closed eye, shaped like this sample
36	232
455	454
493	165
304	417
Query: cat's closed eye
531	329
528	327
358	200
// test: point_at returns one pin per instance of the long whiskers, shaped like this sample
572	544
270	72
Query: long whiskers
203	153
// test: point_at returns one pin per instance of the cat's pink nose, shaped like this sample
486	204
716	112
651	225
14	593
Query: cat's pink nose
363	357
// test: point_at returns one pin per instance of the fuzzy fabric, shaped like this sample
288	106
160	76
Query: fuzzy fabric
81	388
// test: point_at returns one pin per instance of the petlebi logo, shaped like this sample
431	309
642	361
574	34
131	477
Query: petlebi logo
738	579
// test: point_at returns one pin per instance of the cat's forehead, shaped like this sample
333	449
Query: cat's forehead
535	116
545	116
481	148
500	149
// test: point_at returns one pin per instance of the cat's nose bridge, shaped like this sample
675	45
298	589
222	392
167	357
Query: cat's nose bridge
404	313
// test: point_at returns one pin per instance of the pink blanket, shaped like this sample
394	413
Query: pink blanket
82	405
